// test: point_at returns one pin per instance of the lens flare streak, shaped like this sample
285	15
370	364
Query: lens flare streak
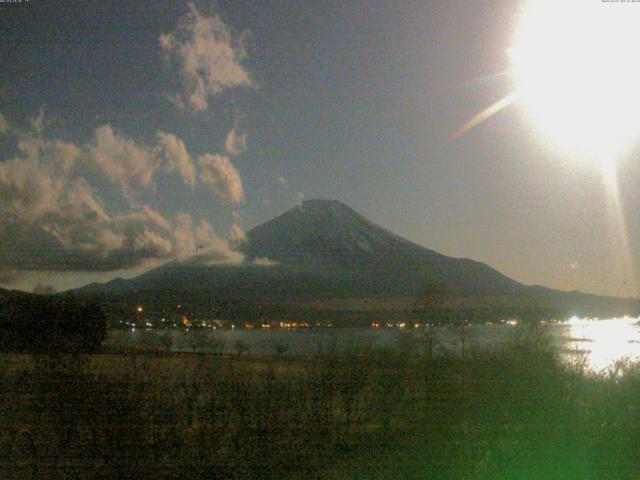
618	233
487	113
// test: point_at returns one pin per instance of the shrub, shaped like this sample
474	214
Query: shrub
38	324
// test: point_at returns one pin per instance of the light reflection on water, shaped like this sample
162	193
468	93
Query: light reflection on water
599	343
602	342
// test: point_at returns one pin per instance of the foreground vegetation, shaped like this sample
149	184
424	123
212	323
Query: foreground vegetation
358	412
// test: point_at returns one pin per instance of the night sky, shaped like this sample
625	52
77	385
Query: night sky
136	132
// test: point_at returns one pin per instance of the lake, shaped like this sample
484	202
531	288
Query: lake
599	343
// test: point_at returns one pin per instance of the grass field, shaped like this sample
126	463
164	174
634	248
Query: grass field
362	413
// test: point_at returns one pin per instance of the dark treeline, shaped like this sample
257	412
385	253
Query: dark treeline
157	306
46	324
352	301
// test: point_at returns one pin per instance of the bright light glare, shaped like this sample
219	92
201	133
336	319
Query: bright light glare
605	341
577	72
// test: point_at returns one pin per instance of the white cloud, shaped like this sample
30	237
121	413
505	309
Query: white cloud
28	189
55	223
204	247
87	206
237	234
123	160
265	262
184	236
131	165
52	218
236	142
208	55
177	157
219	174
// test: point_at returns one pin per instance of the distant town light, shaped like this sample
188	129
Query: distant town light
139	309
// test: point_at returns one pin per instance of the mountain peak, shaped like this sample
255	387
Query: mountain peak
322	203
323	250
325	206
328	234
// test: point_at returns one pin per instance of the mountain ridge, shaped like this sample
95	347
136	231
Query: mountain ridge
327	234
324	253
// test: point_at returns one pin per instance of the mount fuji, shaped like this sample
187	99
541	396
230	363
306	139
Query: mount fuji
323	257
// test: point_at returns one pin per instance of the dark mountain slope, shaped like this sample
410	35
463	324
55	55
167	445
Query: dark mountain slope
327	236
322	255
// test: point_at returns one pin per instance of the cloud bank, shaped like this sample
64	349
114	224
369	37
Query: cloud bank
53	214
90	206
